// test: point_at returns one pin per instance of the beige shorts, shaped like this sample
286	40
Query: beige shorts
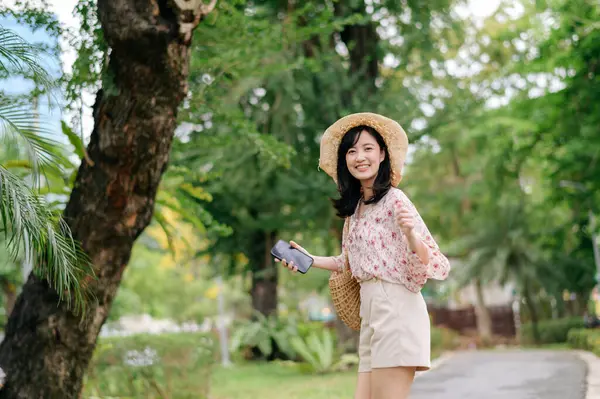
395	328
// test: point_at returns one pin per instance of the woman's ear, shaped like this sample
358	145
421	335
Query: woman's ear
381	155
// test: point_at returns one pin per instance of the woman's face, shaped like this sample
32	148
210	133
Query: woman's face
364	157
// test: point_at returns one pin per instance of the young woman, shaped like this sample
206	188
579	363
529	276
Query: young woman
388	248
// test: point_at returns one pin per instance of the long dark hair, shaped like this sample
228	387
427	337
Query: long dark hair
349	186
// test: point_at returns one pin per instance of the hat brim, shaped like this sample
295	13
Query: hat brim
392	133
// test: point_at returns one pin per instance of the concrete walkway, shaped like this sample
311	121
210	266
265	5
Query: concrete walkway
511	374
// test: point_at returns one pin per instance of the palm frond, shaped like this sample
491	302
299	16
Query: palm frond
20	57
27	223
18	122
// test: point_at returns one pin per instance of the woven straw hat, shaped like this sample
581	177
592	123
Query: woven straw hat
394	136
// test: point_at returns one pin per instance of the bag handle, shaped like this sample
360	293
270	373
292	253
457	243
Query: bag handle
345	237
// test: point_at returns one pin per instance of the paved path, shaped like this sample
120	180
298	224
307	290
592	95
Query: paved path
526	374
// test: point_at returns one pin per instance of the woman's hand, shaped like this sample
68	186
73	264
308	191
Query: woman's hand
291	265
404	219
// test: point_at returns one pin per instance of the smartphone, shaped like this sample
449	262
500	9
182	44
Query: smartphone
283	250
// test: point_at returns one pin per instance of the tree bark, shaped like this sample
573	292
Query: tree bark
47	348
362	43
484	320
532	312
264	286
264	275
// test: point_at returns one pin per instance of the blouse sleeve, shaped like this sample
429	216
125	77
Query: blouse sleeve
438	266
340	260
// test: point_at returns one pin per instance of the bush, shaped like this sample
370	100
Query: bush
152	366
267	336
551	331
586	339
319	355
307	328
443	339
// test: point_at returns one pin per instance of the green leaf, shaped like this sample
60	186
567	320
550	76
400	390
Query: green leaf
74	139
18	121
305	353
28	224
265	345
19	57
166	228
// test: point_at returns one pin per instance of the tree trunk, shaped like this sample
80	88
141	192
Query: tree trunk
582	302
362	43
47	348
532	312
264	286
264	275
484	320
10	297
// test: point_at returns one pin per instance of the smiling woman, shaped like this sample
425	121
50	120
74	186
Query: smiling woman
386	247
366	172
365	155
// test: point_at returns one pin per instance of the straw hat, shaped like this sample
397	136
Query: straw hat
394	136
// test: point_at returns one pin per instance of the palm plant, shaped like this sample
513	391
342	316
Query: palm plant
504	250
28	224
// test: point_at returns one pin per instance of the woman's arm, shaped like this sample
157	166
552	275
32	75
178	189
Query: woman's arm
331	263
417	246
425	259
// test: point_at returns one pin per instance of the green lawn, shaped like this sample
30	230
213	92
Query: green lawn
279	380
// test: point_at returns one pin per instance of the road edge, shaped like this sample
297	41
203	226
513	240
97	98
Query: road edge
437	362
592	380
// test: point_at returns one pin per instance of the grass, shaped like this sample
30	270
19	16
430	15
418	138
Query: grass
283	379
279	380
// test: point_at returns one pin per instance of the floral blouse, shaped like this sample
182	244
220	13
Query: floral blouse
376	247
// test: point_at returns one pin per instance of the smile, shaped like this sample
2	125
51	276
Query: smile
362	168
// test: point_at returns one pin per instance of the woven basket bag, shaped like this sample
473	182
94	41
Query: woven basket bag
345	293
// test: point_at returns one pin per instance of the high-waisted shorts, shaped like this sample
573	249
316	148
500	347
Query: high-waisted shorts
395	329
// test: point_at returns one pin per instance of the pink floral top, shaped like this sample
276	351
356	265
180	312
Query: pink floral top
376	247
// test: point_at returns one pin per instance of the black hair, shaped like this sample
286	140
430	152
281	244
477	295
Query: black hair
349	187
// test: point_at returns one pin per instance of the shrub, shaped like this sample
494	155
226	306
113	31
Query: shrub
308	327
317	350
152	366
443	339
585	338
269	335
551	331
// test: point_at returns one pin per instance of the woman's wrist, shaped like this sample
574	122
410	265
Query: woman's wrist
418	246
414	240
326	263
